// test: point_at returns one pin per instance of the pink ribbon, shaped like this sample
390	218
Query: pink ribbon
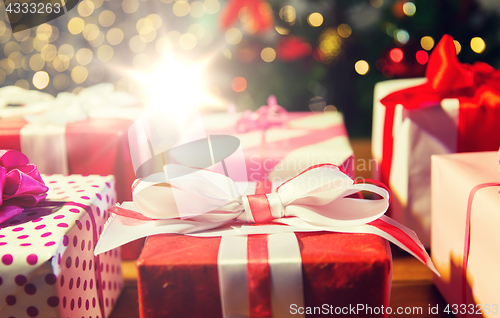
270	115
20	184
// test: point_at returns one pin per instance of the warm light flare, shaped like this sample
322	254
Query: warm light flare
176	87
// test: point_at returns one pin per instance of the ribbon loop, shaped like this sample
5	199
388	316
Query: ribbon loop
20	184
264	117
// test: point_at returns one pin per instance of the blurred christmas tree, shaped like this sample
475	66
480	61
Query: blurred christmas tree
309	53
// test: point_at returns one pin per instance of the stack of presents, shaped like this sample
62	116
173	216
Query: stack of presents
248	214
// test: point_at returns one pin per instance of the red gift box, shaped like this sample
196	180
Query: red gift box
95	146
339	270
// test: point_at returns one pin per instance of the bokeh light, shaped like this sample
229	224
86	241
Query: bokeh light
281	30
288	14
212	6
27	46
130	6
91	32
36	62
401	36
361	67
41	79
422	57
427	43
268	54
315	19
44	31
85	8
317	104
181	8
105	53
23	84
477	45
79	74
60	63
136	44
197	30
239	84
396	55
76	25
60	81
458	47
156	20
11	47
106	18
233	36
114	36
84	56
66	49
22	35
344	30
49	52
409	8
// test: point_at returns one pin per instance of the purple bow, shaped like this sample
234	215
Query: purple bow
20	184
263	118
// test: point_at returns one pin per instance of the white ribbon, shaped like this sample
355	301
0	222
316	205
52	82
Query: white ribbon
43	138
285	264
317	196
201	202
14	95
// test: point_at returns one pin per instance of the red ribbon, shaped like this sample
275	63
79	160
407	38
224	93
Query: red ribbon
258	10
468	234
477	88
259	272
260	208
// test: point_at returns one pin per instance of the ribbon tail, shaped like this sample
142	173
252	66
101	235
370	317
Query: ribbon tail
403	237
120	230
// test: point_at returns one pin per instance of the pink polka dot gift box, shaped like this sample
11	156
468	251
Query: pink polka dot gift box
47	262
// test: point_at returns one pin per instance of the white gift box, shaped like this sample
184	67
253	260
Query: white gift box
417	134
47	263
454	177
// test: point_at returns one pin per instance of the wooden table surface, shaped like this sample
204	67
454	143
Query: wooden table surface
412	284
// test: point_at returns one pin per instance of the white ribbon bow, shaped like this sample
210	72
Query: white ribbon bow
204	203
100	100
317	196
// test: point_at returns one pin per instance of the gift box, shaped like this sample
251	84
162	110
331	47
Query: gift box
454	109
339	272
74	134
464	231
279	150
47	266
93	146
235	247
